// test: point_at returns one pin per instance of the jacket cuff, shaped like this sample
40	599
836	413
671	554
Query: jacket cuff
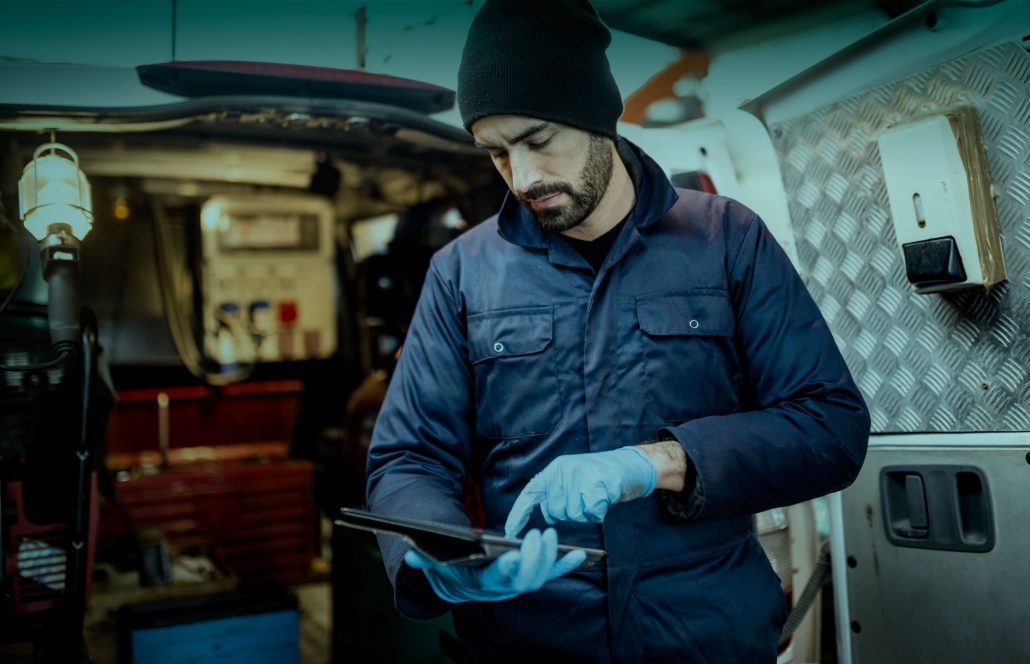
414	597
685	504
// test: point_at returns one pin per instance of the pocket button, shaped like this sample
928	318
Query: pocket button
694	324
498	347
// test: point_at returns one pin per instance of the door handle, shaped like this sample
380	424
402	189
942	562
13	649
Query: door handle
974	512
915	499
904	505
937	507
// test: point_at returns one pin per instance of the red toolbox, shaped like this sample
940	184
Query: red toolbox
225	481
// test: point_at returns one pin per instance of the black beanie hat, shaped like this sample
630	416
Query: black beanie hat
541	59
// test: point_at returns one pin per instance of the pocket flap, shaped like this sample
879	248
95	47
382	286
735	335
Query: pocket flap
693	315
497	334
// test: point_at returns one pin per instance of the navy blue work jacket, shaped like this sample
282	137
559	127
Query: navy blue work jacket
697	326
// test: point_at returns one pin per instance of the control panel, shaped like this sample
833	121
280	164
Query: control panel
267	277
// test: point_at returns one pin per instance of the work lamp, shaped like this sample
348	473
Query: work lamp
56	208
53	193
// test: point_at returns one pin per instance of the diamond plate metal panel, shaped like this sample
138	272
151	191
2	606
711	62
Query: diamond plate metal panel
925	363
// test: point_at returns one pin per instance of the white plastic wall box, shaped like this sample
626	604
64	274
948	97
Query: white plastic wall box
941	201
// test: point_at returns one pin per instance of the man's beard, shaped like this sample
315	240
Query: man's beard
593	182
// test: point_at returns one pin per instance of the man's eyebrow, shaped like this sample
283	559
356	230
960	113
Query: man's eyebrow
521	136
529	131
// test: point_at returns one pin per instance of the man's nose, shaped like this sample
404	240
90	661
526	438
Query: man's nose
525	173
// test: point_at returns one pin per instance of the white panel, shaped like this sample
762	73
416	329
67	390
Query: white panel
928	188
909	604
960	28
699	145
743	66
995	440
736	152
838	554
252	281
933	444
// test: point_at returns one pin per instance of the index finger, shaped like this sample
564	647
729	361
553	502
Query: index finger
532	495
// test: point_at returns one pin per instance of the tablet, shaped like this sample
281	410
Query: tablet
447	544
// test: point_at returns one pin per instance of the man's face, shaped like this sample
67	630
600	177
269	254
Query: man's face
558	172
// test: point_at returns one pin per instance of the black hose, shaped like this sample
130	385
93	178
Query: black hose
64	305
78	571
63	310
815	584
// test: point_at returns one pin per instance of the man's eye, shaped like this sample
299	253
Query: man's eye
498	154
539	144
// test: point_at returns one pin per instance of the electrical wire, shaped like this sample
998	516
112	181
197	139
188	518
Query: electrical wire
431	21
178	324
24	258
182	335
62	357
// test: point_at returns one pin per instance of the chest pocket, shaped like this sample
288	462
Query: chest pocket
689	359
517	387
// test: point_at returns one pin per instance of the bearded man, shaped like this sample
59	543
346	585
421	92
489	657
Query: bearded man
615	363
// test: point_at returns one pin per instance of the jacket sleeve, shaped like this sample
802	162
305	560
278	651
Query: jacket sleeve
804	427
421	444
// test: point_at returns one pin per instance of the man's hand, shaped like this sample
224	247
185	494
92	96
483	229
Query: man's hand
581	487
516	572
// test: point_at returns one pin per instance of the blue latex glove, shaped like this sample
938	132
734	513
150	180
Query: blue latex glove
513	573
581	487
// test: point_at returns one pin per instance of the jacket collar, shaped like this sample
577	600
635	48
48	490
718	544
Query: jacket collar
655	196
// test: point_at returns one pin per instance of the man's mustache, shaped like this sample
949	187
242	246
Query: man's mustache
543	191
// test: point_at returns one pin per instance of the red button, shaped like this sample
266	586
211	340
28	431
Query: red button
288	314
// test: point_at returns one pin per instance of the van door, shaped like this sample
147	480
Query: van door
930	551
936	542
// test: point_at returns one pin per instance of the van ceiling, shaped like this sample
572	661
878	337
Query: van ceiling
378	173
702	24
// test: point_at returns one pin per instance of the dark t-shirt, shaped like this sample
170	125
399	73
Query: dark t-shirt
596	250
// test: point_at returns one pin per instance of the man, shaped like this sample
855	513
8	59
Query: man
637	366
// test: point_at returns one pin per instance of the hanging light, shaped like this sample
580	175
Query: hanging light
56	208
54	194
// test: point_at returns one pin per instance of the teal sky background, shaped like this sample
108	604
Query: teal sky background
413	39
